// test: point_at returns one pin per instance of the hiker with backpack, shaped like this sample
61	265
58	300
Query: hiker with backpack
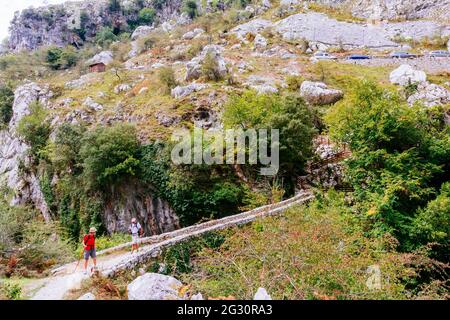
89	248
136	232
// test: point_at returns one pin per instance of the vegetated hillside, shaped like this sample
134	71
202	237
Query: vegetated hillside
81	148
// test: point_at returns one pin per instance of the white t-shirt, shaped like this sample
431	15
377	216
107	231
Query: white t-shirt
134	228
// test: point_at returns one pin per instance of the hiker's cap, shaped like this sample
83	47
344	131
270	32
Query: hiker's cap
92	230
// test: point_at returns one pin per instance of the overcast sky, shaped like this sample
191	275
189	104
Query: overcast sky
8	7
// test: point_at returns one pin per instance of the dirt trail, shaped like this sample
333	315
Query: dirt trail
119	258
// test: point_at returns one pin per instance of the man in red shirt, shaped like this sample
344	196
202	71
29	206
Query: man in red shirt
89	248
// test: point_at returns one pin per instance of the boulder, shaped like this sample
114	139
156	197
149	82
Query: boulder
183	91
141	31
124	87
197	296
87	296
192	34
262	294
260	42
406	74
91	104
318	93
194	67
266	4
430	95
155	286
252	27
264	88
105	57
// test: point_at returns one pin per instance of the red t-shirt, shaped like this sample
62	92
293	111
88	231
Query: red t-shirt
89	241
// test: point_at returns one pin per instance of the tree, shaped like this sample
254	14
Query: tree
6	104
147	16
35	130
190	7
109	153
105	36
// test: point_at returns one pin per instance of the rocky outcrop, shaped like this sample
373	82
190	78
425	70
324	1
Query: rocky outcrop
405	74
183	91
401	9
77	21
318	93
430	95
251	27
193	34
134	200
105	57
155	286
14	152
194	67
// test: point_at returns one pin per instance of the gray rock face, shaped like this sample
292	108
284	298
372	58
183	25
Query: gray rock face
318	93
105	57
252	27
194	67
141	31
181	92
318	27
60	24
401	9
430	95
133	200
260	42
192	34
154	286
14	152
406	74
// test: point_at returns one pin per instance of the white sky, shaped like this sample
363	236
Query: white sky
8	7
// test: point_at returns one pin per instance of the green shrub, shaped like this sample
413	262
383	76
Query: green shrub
61	58
147	16
6	104
105	36
109	154
400	158
12	291
190	7
35	130
210	68
166	76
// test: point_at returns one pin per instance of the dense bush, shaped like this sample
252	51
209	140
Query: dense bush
27	242
195	192
105	36
109	154
6	104
289	115
35	130
400	158
167	78
190	7
61	58
147	16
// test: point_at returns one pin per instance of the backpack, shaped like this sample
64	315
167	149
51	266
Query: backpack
90	242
